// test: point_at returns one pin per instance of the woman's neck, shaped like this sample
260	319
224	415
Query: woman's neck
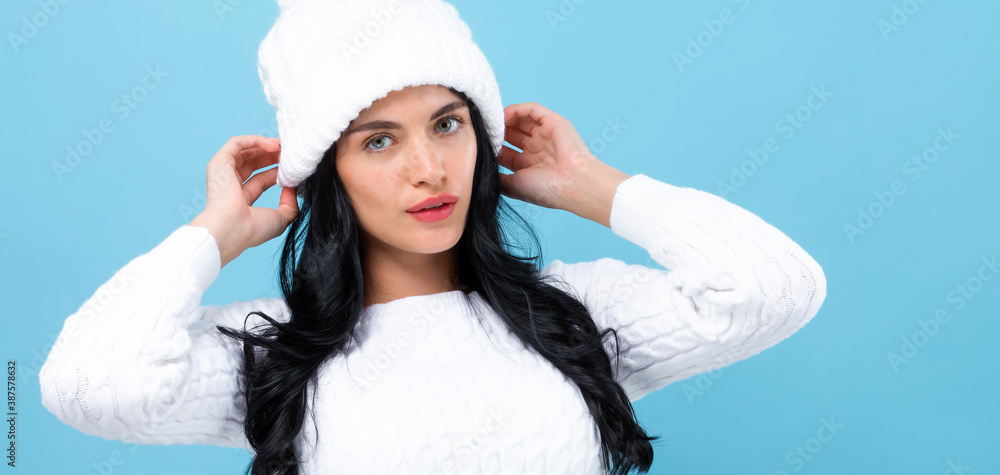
395	275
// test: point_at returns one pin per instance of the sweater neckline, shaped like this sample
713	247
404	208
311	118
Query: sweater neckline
444	303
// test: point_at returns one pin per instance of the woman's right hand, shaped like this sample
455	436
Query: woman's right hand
228	215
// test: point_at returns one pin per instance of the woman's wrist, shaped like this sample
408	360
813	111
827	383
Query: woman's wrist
220	232
594	191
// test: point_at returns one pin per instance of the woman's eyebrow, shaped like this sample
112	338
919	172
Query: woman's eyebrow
448	108
385	124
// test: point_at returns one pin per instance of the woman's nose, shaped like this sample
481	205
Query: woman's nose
425	162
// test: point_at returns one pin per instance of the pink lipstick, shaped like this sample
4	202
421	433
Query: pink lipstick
435	208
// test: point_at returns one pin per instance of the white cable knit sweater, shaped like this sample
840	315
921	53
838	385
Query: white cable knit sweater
431	386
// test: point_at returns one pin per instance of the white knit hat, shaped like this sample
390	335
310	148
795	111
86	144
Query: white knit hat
324	61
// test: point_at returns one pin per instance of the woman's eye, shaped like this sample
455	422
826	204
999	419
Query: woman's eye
378	140
449	120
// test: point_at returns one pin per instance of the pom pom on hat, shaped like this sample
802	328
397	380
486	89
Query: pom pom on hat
325	61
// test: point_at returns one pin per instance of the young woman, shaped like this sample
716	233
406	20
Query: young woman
410	337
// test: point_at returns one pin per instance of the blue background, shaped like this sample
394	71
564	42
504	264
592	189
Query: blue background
688	123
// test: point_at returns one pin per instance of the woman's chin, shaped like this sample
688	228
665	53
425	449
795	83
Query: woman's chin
431	241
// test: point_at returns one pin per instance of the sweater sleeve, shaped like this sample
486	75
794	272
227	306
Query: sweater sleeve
141	362
733	286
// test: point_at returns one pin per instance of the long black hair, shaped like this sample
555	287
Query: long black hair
323	289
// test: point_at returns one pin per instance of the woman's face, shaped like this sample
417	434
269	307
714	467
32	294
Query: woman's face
412	144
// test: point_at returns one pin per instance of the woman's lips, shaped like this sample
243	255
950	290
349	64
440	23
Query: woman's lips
434	200
433	214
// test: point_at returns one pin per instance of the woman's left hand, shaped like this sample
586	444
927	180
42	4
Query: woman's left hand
556	169
554	156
